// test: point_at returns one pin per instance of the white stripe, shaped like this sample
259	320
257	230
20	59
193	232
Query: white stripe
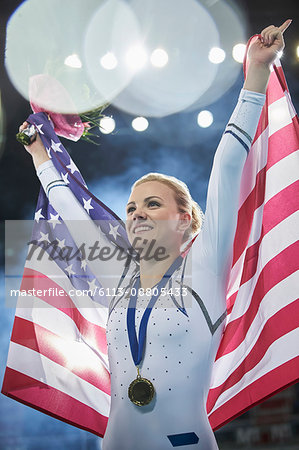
90	310
255	162
279	115
281	351
57	322
37	366
277	298
273	243
257	157
275	183
236	271
282	174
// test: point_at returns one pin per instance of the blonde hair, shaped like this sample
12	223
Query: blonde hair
183	198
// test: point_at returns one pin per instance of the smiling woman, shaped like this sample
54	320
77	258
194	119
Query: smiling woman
175	303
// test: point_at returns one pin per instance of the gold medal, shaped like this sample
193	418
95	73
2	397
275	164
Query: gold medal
141	391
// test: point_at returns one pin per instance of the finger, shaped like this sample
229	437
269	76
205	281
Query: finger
271	35
23	126
265	31
285	25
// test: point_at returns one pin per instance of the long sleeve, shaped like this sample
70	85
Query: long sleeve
214	245
82	228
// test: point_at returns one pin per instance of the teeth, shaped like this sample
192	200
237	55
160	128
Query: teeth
142	228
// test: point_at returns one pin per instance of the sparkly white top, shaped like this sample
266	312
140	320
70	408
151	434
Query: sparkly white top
184	329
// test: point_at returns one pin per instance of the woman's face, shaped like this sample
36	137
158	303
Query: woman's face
152	214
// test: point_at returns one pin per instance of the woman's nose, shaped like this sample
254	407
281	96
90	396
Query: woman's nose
139	213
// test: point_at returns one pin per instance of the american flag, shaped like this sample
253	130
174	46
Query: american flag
57	361
259	354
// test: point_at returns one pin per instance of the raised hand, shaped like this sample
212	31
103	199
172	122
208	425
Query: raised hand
265	48
262	52
36	149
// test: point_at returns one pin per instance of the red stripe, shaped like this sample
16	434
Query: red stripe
245	216
261	389
277	326
230	302
94	334
45	342
276	86
277	209
53	402
283	142
276	270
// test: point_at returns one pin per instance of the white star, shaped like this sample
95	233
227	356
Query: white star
39	127
83	264
56	146
49	151
92	285
72	166
87	204
61	243
38	215
113	231
69	270
54	220
64	177
44	237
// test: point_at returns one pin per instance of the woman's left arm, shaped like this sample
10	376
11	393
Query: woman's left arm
215	242
261	54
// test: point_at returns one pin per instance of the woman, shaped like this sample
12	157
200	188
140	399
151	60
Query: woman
180	308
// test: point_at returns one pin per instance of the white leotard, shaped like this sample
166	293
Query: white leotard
180	345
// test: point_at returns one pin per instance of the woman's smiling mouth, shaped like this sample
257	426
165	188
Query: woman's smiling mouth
142	228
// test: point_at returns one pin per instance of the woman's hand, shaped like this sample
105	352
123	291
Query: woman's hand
268	44
36	149
262	52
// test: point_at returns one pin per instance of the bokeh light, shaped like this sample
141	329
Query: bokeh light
109	44
216	55
231	26
107	125
109	61
188	73
140	124
239	52
205	119
73	61
159	57
136	57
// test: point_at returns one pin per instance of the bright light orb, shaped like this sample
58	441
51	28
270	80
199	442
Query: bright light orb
107	125
136	57
159	57
216	55
73	61
109	61
239	52
205	119
279	54
140	123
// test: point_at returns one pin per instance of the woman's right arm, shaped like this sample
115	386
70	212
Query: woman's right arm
73	213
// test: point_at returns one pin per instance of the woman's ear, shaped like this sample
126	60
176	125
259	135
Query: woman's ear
185	221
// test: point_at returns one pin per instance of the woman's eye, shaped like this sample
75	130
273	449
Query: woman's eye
153	203
130	210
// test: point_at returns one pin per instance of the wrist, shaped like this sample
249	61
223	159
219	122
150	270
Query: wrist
257	76
40	157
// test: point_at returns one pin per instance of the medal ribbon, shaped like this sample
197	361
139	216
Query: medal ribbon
137	347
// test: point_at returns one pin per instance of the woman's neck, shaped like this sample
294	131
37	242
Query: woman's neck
152	270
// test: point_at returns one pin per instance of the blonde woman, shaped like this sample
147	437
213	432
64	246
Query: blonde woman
164	330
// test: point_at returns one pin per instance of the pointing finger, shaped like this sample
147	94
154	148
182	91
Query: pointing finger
285	25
